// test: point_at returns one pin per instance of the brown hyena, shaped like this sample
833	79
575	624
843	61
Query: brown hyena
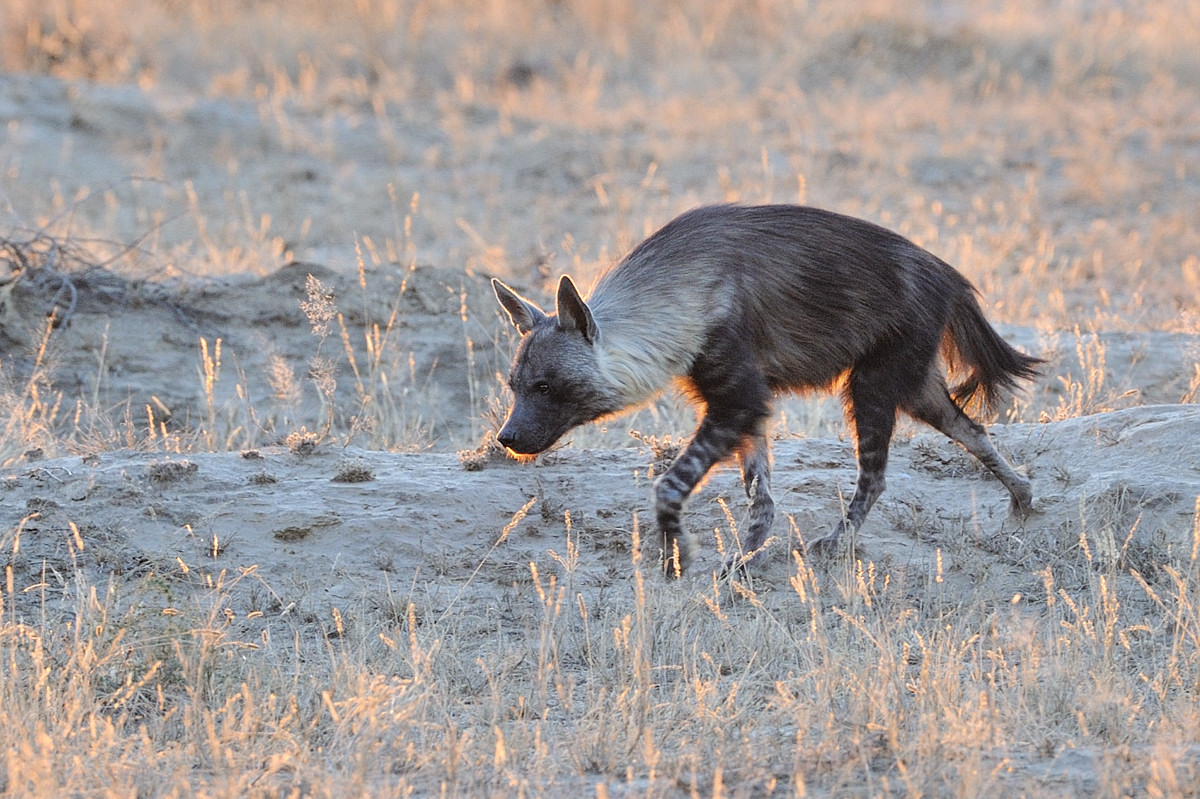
743	302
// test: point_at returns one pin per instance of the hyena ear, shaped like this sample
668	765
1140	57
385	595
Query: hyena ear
573	312
523	313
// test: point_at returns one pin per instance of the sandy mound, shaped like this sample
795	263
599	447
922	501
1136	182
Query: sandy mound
333	527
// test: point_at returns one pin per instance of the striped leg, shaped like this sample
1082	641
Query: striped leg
756	476
712	443
935	408
737	397
873	407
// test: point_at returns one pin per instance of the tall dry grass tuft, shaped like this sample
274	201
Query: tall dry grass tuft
32	409
390	409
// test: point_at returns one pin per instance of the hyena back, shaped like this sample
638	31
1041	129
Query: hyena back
744	302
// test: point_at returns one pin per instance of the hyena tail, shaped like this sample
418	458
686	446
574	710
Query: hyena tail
994	366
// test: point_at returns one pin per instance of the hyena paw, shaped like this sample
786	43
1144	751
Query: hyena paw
1021	506
1020	492
830	544
677	556
736	567
823	546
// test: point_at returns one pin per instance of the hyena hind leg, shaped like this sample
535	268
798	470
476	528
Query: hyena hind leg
873	411
935	408
756	477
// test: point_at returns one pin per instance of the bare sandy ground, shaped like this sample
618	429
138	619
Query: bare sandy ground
334	527
312	545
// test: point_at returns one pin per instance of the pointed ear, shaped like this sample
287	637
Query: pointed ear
573	313
523	313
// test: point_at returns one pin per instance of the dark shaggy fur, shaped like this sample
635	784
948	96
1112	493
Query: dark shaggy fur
743	302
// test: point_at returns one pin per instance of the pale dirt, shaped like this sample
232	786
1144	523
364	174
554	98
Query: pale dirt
424	520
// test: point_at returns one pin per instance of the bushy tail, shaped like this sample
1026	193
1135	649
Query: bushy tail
972	343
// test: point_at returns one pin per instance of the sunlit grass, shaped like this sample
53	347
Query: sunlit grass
858	679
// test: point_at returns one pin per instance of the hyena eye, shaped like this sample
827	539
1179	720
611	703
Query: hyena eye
542	388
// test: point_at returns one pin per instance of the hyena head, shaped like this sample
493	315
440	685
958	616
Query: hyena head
556	380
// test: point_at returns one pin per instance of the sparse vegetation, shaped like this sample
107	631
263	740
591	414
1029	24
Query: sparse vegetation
168	471
265	228
354	470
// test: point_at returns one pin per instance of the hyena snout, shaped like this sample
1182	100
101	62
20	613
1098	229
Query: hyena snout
527	434
514	441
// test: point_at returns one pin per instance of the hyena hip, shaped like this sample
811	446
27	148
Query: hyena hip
745	302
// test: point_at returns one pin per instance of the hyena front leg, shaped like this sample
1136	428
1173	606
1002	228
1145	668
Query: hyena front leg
714	441
756	476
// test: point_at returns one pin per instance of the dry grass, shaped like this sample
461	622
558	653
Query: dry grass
1048	152
856	680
